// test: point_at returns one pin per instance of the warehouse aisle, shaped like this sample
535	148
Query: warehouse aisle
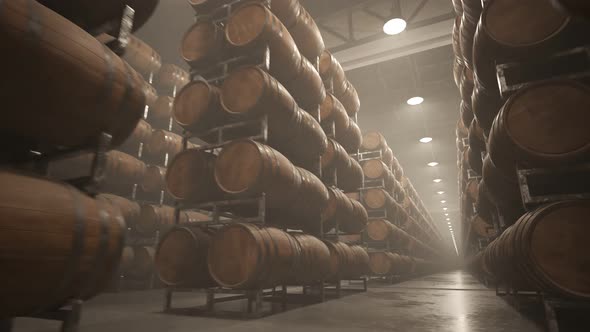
452	301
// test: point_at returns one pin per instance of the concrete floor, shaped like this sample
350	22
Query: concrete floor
452	301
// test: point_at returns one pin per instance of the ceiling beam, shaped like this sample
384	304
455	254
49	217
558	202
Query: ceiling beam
420	36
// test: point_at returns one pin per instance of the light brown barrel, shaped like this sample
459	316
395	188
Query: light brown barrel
130	210
198	107
375	169
330	69
466	87
351	140
547	250
137	262
349	98
161	218
348	213
171	77
384	263
472	189
350	176
181	257
151	95
511	31
483	228
458	7
379	199
163	142
253	24
190	177
359	264
154	179
471	10
203	44
347	262
141	134
95	15
466	112
161	111
379	229
244	256
542	125
374	141
142	57
99	93
574	7
73	244
332	111
308	205
458	67
121	171
314	260
250	92
245	167
305	32
335	157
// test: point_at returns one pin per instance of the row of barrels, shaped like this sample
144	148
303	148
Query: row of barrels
294	196
384	263
546	250
383	230
246	256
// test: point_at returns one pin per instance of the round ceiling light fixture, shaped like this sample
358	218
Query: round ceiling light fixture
395	26
426	139
437	180
432	164
415	101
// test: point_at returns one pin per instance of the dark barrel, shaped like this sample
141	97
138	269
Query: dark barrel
203	44
96	16
154	179
197	107
314	260
86	89
68	242
172	78
155	218
542	125
575	7
137	262
485	104
181	258
348	213
130	210
161	111
190	177
142	57
546	250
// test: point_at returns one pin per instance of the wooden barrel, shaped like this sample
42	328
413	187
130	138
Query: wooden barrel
476	136
305	32
466	86
172	78
142	57
244	256
163	142
253	24
456	40
99	93
474	160
160	112
350	176
373	141
511	31
190	177
472	10
503	189
155	218
73	241
466	112
151	95
330	69
351	140
382	263
250	91
332	111
314	260
137	262
472	189
379	229
483	228
96	16
574	7
458	7
181	258
308	206
359	264
198	107
458	67
203	44
467	31
130	210
140	134
542	125
203	6
485	104
335	157
121	171
548	250
375	169
379	199
154	179
349	98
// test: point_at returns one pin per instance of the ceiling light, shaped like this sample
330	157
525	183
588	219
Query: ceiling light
446	214
395	26
444	209
415	101
437	180
426	140
449	223
440	192
443	201
432	164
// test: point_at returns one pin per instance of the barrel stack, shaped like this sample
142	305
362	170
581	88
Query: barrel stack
524	154
256	98
59	149
400	235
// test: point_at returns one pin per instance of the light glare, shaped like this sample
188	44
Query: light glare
394	26
426	140
437	180
432	164
415	101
